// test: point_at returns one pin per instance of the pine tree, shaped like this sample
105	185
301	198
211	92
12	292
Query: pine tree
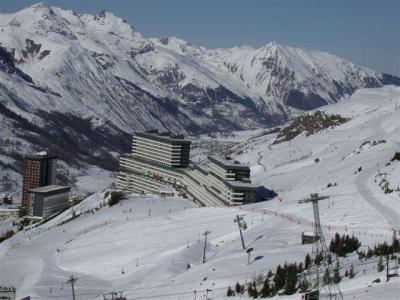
239	288
307	261
255	291
395	244
381	266
230	292
300	269
346	274
270	274
252	290
336	273
329	259
304	285
318	259
369	253
326	279
291	279
333	246
279	278
351	272
266	290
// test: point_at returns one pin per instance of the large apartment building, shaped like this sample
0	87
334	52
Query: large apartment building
160	160
161	148
39	170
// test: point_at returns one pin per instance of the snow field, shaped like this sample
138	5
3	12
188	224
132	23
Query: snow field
141	246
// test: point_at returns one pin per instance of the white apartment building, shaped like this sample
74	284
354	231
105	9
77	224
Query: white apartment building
161	148
159	160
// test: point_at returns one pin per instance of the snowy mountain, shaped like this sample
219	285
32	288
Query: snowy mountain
152	247
84	83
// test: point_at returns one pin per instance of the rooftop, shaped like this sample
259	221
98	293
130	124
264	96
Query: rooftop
41	155
166	189
308	233
8	209
228	163
202	168
167	137
240	184
50	189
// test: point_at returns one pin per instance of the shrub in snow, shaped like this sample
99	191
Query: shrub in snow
380	266
230	292
351	272
336	273
396	156
7	235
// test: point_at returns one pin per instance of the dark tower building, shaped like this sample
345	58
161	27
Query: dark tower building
39	170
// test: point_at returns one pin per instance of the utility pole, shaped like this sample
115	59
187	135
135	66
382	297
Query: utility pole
72	208
205	244
387	267
321	251
207	290
248	257
238	219
72	280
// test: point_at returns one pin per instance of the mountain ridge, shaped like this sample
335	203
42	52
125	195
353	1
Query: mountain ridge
98	70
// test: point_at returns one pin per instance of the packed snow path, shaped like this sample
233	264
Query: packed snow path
260	156
362	183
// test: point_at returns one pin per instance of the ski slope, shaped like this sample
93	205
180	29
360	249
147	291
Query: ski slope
146	256
357	201
143	247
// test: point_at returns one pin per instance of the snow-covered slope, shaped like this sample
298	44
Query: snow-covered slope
84	83
141	247
353	157
144	246
95	63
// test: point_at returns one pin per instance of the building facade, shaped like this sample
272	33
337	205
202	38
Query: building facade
7	292
160	160
10	211
39	170
48	200
161	148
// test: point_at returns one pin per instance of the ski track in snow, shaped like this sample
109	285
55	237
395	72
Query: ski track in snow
97	246
260	157
361	182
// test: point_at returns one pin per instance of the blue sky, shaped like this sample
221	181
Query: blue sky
366	32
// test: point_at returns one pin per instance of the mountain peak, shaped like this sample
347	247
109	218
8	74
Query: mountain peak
265	83
41	7
102	13
112	23
272	46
